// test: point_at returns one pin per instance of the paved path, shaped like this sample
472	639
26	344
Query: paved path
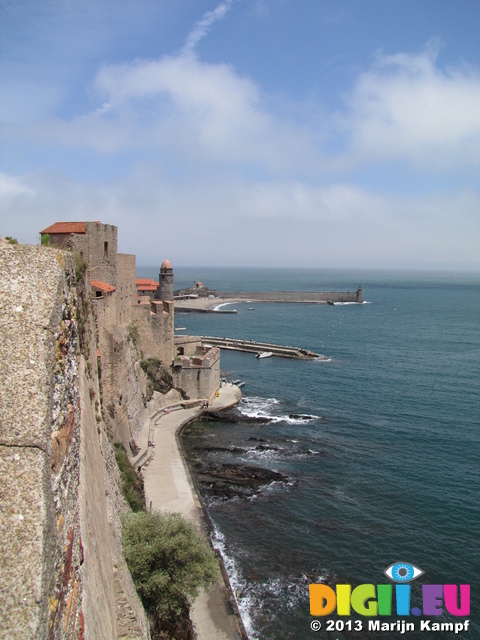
168	487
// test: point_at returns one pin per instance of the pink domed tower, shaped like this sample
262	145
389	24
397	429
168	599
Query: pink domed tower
165	279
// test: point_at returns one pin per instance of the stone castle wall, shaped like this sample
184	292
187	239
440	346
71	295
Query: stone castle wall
101	256
198	375
126	290
60	499
39	516
155	327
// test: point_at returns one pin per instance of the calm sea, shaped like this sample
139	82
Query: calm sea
382	451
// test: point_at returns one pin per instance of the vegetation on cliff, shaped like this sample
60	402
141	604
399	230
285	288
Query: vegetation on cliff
159	379
132	483
169	560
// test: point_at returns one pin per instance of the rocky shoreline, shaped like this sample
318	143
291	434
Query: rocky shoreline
230	480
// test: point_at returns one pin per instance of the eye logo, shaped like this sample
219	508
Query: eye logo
403	572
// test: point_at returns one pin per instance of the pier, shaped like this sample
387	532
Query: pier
251	346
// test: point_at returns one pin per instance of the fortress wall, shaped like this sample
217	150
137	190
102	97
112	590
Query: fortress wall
39	445
155	328
198	377
62	572
102	264
111	607
187	345
101	259
126	289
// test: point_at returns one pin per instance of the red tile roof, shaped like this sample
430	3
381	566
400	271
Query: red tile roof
142	281
147	287
66	227
103	286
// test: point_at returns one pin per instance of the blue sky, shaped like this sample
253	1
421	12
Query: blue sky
310	133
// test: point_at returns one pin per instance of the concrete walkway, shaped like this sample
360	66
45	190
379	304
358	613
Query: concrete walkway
168	487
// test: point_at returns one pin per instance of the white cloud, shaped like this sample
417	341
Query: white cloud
13	186
404	108
275	223
407	108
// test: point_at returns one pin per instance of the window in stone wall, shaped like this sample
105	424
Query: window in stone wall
105	249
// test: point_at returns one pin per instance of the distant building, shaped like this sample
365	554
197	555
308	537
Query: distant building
146	286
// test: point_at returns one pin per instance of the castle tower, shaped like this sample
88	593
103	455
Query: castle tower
165	279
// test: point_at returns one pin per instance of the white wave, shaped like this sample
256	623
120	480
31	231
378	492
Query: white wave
255	407
244	600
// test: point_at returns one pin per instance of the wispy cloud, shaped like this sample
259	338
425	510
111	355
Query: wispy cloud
202	27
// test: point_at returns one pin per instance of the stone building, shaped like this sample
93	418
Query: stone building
111	274
120	302
146	286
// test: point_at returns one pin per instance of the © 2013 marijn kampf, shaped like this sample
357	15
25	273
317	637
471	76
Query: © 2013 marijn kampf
371	600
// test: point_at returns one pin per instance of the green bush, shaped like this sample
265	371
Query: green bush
132	484
80	266
169	561
133	334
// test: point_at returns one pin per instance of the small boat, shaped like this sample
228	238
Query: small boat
264	354
180	328
250	308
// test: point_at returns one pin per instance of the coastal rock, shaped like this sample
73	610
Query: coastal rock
221	449
233	418
231	481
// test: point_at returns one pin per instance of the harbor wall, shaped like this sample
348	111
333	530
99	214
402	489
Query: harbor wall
295	296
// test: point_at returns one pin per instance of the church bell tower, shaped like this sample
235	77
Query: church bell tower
165	279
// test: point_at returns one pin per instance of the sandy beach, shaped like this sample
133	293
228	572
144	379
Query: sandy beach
169	487
206	304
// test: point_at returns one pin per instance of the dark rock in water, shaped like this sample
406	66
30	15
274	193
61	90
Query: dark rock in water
218	416
230	481
230	418
256	440
220	449
266	447
300	416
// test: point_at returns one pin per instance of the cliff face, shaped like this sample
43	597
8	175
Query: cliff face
62	573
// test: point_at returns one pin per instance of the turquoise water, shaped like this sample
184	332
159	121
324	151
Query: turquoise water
383	462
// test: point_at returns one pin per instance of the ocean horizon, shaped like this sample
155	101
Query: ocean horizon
378	446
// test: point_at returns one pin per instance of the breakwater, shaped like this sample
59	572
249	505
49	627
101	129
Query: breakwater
318	297
251	346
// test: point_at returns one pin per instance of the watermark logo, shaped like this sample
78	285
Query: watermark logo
403	572
371	600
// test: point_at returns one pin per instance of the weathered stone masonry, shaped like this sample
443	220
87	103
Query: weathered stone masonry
58	526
